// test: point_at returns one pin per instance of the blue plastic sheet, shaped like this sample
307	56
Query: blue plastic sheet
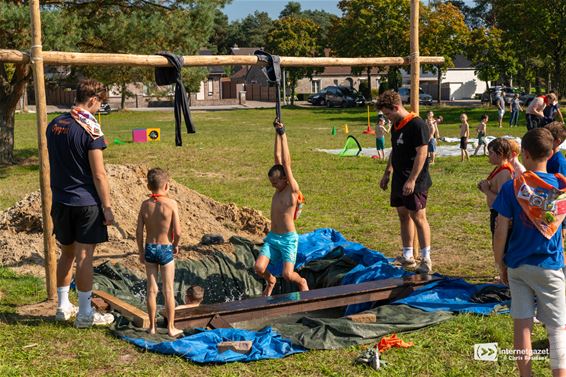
202	347
451	295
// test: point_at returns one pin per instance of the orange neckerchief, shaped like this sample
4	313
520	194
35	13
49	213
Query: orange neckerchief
392	341
299	208
404	121
155	196
505	166
541	202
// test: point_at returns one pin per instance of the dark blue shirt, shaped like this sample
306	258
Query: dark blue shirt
556	164
71	177
526	244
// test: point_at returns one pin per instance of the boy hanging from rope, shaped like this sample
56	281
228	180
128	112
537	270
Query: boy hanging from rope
279	251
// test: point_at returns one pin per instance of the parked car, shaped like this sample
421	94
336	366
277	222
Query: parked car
424	98
104	109
490	95
318	99
337	96
343	96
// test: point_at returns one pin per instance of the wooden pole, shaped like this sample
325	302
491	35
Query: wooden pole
78	58
44	183
414	57
415	81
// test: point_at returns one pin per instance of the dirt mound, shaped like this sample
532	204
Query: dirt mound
21	238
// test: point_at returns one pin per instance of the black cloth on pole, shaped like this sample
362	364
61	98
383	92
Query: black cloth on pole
172	75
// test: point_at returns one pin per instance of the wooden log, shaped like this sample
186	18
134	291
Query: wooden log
242	346
137	316
415	59
80	58
363	317
44	179
298	302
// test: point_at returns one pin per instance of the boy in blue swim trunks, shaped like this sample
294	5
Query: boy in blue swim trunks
279	252
159	215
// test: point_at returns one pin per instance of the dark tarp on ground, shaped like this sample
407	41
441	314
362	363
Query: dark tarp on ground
325	259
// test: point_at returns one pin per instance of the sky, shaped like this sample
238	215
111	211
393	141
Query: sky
239	9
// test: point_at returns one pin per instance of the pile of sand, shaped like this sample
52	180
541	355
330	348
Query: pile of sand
21	237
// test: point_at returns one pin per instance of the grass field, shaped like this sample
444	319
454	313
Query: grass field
227	159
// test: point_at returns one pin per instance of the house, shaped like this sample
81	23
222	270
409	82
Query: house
458	82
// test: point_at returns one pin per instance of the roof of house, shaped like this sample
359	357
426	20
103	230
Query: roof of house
212	69
243	50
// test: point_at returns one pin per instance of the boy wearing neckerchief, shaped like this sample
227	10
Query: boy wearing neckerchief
532	206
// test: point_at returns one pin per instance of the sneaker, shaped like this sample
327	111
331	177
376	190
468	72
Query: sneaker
65	313
406	262
425	267
94	319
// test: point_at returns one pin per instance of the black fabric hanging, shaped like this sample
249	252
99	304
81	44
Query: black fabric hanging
172	75
273	73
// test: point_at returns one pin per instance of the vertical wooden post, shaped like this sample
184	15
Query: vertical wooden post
44	183
415	80
414	57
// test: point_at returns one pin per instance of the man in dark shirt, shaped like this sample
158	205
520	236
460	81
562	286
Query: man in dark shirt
411	180
81	200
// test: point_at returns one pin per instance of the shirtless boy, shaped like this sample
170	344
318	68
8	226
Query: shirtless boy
159	215
279	251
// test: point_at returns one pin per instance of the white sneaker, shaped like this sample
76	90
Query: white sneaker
94	319
65	313
425	267
406	262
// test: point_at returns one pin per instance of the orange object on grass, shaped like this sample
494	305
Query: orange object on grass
392	341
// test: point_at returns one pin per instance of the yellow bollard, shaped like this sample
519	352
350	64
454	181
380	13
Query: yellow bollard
345	129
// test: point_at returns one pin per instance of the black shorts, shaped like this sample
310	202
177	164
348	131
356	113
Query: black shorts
413	202
463	143
78	224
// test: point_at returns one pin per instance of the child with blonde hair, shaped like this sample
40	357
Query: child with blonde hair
464	135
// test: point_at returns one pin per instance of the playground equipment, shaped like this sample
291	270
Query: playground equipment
37	58
369	130
143	135
352	148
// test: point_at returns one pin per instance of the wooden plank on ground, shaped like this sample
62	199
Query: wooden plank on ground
298	302
138	317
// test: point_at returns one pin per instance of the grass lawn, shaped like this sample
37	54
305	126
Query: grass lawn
227	159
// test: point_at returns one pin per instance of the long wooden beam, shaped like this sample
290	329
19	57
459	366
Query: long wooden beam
138	317
225	313
79	58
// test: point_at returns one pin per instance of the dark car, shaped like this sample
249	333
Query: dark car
405	94
318	99
490	95
104	109
343	96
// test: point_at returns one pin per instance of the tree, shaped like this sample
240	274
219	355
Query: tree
255	28
294	36
293	8
124	26
443	32
15	34
372	28
492	56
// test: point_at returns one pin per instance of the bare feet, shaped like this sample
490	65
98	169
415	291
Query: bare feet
151	330
303	286
174	332
267	291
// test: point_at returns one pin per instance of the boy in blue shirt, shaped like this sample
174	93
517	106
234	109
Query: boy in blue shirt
532	264
556	163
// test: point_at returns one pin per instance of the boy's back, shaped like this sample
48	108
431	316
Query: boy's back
157	215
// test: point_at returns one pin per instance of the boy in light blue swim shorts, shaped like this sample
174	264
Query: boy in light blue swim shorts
279	252
159	215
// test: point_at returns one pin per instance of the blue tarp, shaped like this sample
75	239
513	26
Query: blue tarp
202	347
451	295
447	295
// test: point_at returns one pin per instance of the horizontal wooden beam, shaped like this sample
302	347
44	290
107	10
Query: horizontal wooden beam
138	317
298	302
79	58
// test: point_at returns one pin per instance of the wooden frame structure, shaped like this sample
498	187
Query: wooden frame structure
225	313
37	58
